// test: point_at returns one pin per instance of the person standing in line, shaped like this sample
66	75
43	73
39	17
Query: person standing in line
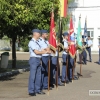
84	52
53	69
45	58
89	45
65	57
99	53
35	51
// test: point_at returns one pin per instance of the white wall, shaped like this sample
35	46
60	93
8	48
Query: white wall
89	9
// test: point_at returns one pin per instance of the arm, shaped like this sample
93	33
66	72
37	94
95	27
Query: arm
34	49
40	52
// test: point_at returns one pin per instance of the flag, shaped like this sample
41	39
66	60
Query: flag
79	36
71	39
85	28
61	36
52	38
63	8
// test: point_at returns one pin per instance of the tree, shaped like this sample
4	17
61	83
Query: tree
19	17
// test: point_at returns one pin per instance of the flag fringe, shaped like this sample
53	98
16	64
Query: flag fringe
73	56
52	48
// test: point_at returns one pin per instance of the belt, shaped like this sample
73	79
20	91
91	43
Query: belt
87	47
36	57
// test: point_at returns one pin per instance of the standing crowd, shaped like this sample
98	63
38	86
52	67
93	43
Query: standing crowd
41	54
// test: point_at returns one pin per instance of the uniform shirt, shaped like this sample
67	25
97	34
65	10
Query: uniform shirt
65	46
33	45
89	43
44	44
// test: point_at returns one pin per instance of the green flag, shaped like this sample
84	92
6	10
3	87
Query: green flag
79	36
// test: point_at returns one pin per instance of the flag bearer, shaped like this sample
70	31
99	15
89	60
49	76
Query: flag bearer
65	57
84	52
53	70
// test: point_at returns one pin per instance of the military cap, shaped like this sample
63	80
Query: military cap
36	30
65	34
44	31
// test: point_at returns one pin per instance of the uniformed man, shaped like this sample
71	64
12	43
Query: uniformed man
45	58
65	57
35	64
89	44
53	70
99	53
84	52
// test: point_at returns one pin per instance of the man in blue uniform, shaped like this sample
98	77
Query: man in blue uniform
99	53
84	53
53	70
89	44
65	58
45	58
35	64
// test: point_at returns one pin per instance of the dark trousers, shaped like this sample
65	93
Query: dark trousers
53	70
44	82
64	70
89	52
84	56
70	67
99	56
35	75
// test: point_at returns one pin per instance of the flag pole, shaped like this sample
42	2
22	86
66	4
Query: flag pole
58	66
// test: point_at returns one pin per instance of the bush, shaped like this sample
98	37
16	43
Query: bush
24	44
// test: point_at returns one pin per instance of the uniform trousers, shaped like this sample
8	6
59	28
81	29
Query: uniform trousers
35	75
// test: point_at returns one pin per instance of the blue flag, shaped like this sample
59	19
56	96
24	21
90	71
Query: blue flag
85	30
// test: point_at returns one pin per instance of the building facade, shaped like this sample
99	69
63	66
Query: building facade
89	9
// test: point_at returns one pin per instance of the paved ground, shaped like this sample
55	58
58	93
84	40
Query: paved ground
16	89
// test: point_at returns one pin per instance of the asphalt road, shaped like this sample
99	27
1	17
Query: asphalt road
16	88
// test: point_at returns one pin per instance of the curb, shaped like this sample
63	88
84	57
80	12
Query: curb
16	52
12	73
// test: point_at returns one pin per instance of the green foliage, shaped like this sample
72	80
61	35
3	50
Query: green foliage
19	17
24	43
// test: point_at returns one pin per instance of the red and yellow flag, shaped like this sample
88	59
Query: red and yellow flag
63	8
52	38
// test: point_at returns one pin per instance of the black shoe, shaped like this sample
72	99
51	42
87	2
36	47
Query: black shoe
67	81
51	85
63	81
32	94
47	88
41	92
61	84
70	80
76	77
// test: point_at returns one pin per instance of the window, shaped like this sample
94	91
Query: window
90	33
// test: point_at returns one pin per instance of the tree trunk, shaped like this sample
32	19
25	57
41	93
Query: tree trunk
13	52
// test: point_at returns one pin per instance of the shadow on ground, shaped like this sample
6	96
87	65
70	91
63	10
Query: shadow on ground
87	73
